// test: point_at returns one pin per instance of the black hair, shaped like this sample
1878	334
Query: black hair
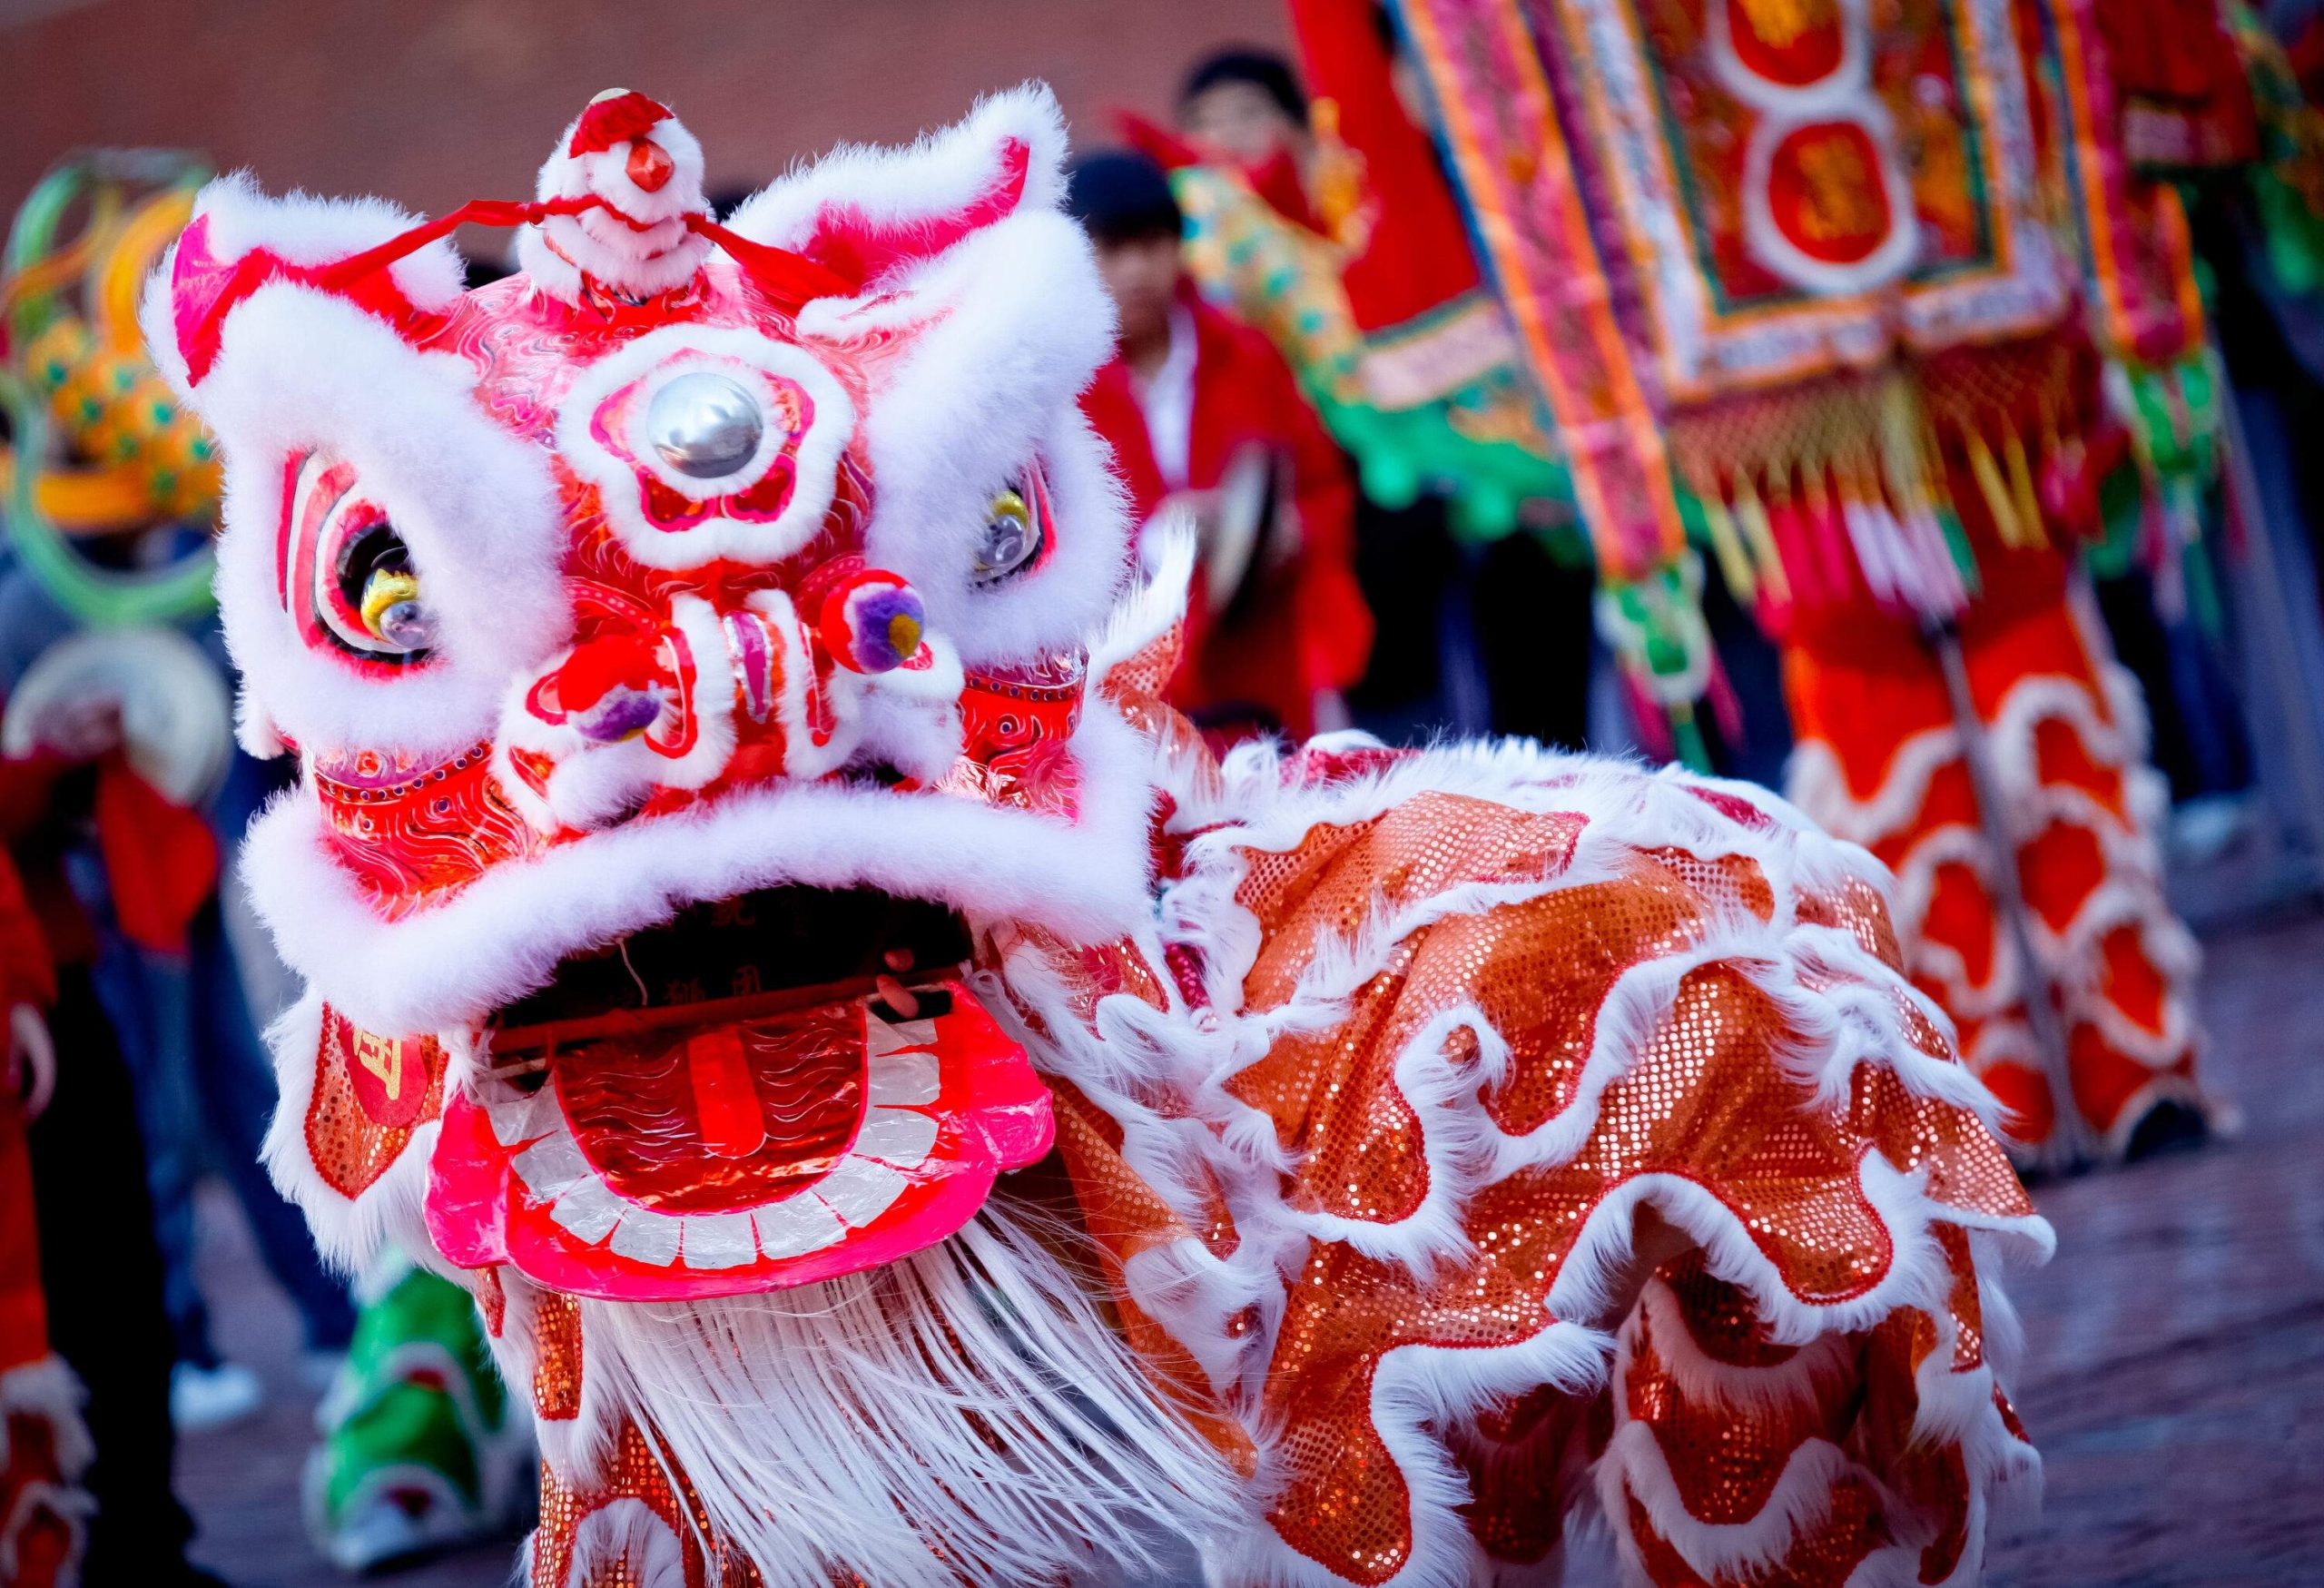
1121	196
1262	69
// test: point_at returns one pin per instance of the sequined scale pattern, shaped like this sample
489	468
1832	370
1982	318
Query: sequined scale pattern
638	1526
1443	1024
369	1093
1863	1438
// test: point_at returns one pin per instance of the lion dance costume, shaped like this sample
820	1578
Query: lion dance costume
738	828
1790	281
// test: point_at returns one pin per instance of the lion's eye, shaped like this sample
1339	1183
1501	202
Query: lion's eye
1012	539
374	605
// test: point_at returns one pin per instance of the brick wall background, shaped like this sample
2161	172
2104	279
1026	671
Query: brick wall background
432	102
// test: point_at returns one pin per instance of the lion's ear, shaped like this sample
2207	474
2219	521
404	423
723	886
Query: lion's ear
868	214
980	318
241	239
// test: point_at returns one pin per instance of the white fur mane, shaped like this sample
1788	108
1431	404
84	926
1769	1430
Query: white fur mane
969	1398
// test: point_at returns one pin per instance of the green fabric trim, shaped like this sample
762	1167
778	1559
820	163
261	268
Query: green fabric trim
408	1424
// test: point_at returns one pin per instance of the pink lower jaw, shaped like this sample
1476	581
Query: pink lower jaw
946	1116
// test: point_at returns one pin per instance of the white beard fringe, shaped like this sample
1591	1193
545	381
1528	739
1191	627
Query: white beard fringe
968	1400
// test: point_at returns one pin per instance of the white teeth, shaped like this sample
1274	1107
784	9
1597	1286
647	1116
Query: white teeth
720	1240
518	1120
903	1078
888	1037
896	1136
648	1237
549	1165
796	1226
587	1209
860	1190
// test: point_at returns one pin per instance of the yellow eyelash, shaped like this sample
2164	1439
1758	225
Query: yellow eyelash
383	590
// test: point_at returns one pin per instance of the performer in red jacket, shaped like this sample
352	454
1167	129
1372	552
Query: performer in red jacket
1204	416
85	1345
44	1447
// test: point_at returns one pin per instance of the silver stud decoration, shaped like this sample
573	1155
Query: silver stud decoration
705	425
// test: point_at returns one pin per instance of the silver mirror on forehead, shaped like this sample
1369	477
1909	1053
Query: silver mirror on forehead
705	424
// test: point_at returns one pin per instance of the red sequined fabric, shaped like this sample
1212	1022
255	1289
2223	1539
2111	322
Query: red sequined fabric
556	1357
1815	1437
370	1092
1624	992
567	1553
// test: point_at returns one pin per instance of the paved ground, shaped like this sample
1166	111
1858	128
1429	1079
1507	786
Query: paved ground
2175	1348
2175	1372
243	1483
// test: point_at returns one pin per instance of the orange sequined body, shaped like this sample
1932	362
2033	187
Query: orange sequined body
369	1093
1359	1138
627	1527
1447	1037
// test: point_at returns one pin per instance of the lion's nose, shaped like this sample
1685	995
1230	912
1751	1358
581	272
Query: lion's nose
657	712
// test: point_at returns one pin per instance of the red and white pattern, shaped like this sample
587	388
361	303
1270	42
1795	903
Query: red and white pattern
736	875
766	506
1881	763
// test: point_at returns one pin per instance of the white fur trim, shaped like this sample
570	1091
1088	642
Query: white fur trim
1148	1070
593	782
1017	322
1417	1390
300	371
909	718
46	1389
1145	612
302	230
451	963
1158	1074
1602	1249
1953	1406
349	1232
1634	1466
576	1447
1012	321
642	264
623	1541
937	176
1707	1381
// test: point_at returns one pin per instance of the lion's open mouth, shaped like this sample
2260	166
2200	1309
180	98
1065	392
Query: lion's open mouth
739	1099
777	949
